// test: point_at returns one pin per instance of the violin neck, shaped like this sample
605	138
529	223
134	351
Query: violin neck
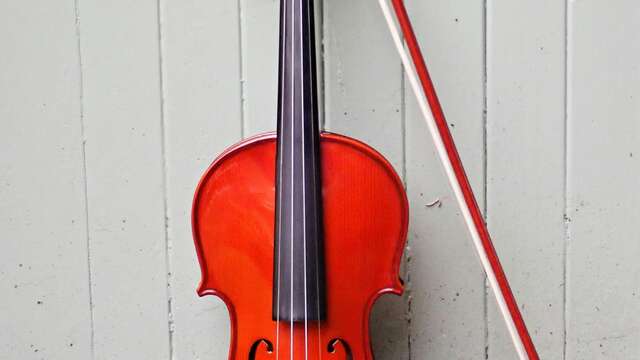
298	291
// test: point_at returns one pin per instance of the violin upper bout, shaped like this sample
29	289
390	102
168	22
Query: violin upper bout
365	218
366	207
233	202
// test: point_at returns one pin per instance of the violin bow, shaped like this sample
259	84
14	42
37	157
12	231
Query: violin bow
433	115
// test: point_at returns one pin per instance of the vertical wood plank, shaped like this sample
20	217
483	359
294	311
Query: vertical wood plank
363	99
526	167
260	44
363	77
604	172
44	284
259	26
260	22
122	112
201	77
447	282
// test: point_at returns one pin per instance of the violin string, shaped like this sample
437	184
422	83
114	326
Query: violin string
438	142
314	128
293	168
304	180
280	190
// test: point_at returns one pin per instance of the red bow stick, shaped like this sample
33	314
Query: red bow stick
446	148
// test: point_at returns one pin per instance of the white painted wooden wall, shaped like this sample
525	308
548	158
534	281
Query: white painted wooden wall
110	111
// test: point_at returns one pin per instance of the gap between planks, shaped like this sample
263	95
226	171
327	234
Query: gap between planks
76	7
165	170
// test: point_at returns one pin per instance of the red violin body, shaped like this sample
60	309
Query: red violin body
299	231
365	219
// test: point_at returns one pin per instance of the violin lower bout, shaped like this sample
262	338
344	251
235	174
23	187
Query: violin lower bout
365	216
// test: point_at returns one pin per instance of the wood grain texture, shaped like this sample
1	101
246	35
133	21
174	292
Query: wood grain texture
363	99
365	213
447	282
525	186
125	186
202	117
604	169
43	261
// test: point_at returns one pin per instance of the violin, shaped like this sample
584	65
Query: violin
299	232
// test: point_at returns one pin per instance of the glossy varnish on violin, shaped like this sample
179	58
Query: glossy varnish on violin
365	223
300	232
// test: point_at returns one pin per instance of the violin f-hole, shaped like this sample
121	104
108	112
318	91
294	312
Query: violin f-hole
262	344
335	344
